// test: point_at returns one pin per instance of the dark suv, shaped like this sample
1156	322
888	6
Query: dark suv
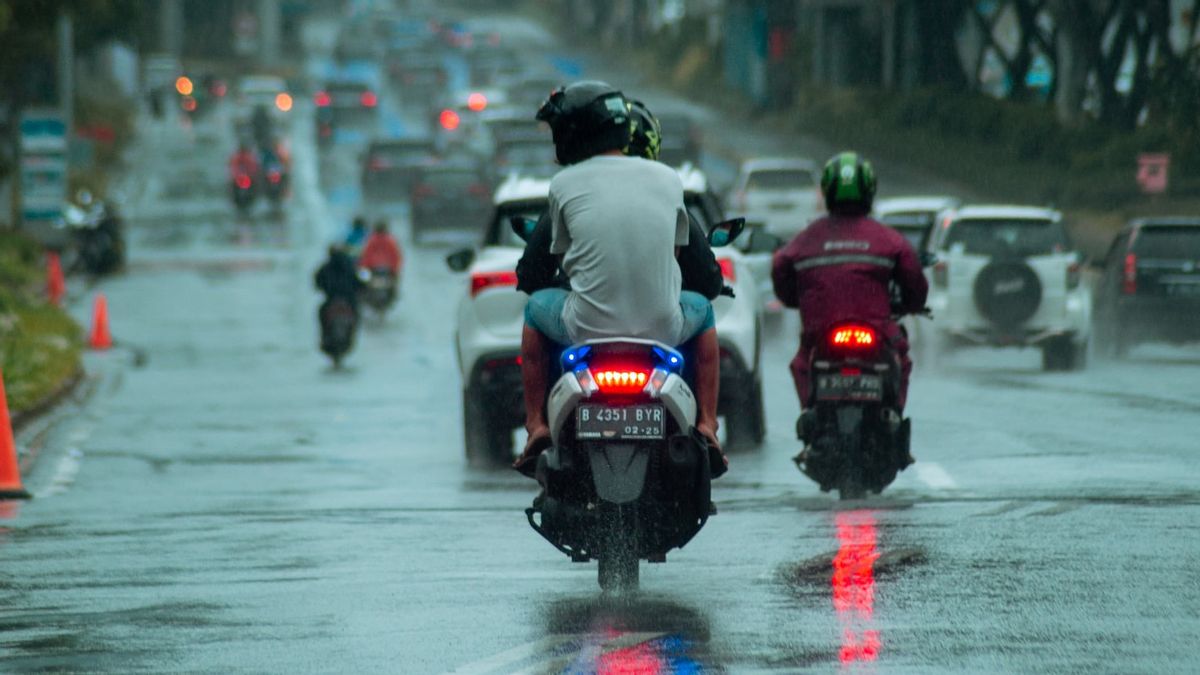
1150	289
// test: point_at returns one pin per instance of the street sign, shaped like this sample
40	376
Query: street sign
1152	172
42	137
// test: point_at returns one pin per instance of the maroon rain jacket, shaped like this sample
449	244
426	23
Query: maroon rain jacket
838	269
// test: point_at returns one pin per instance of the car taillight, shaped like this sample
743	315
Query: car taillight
1129	282
242	181
189	104
1074	273
448	119
479	190
368	99
422	191
853	337
484	280
727	269
274	176
941	274
321	99
621	380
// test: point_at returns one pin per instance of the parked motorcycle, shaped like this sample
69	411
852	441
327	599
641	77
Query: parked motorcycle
628	477
855	439
339	322
380	289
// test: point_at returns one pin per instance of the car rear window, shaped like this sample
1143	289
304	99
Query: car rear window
451	180
346	94
401	152
1019	236
780	179
1168	242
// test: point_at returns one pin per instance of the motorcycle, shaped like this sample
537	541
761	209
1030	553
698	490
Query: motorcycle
243	193
275	185
339	321
96	233
628	477
379	291
855	439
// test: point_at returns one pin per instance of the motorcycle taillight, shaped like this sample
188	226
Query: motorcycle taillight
853	336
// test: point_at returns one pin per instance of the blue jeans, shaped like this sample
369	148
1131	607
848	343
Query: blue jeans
544	312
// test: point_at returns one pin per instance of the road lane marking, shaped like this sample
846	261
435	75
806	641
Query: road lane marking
64	474
501	661
933	475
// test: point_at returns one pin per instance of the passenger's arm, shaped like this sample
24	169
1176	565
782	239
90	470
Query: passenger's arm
698	265
537	268
783	277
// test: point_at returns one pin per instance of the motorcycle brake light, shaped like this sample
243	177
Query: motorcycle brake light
853	337
727	269
274	177
368	99
242	181
484	280
621	380
851	371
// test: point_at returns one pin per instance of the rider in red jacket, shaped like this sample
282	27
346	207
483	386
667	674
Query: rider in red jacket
840	267
381	251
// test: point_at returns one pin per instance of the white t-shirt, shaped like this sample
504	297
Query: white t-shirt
616	221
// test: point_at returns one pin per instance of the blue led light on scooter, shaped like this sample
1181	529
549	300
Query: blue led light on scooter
575	358
669	359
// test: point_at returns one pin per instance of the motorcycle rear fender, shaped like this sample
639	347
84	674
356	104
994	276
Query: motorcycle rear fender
564	397
619	470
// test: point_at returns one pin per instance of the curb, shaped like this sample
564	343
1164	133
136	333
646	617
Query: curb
65	388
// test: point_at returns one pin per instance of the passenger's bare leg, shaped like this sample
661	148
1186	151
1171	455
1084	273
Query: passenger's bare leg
708	383
533	377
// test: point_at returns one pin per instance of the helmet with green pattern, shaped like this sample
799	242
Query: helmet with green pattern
848	184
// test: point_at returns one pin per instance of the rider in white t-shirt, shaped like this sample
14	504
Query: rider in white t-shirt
618	223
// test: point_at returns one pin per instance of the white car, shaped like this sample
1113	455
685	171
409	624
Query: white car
781	195
912	217
1009	276
491	317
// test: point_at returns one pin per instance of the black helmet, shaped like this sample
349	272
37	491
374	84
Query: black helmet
646	137
848	184
587	118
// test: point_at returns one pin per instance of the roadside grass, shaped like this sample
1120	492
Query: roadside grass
39	343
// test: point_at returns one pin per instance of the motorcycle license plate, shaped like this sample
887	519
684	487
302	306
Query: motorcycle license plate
620	423
838	387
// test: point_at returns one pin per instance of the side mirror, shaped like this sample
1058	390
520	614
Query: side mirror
724	232
522	227
460	260
762	241
927	258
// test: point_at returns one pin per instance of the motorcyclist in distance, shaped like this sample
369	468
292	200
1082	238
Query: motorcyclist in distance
840	268
244	162
382	252
338	278
617	223
356	236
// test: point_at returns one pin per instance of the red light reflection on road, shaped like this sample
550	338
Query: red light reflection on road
638	660
854	586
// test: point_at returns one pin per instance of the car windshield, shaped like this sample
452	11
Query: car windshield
912	225
780	179
346	93
1180	241
1016	236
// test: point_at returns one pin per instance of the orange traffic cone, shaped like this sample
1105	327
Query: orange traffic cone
56	286
10	471
101	337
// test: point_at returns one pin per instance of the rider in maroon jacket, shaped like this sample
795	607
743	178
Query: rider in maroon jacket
840	266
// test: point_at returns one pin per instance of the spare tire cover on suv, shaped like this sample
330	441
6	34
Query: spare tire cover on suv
1007	293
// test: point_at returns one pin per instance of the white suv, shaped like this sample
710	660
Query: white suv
491	316
1008	275
781	195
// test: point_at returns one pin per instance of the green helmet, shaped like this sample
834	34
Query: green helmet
848	184
646	137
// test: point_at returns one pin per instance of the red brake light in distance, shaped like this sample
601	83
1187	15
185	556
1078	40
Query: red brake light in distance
727	269
274	176
1129	281
621	381
484	280
853	337
322	99
242	181
368	99
448	119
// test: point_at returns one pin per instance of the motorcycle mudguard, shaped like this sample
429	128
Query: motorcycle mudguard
618	471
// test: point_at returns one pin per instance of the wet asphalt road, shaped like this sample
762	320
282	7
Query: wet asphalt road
230	503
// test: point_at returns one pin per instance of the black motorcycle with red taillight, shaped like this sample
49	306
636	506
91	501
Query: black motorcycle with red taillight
855	439
243	191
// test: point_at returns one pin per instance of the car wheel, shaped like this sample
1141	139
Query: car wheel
746	429
487	443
